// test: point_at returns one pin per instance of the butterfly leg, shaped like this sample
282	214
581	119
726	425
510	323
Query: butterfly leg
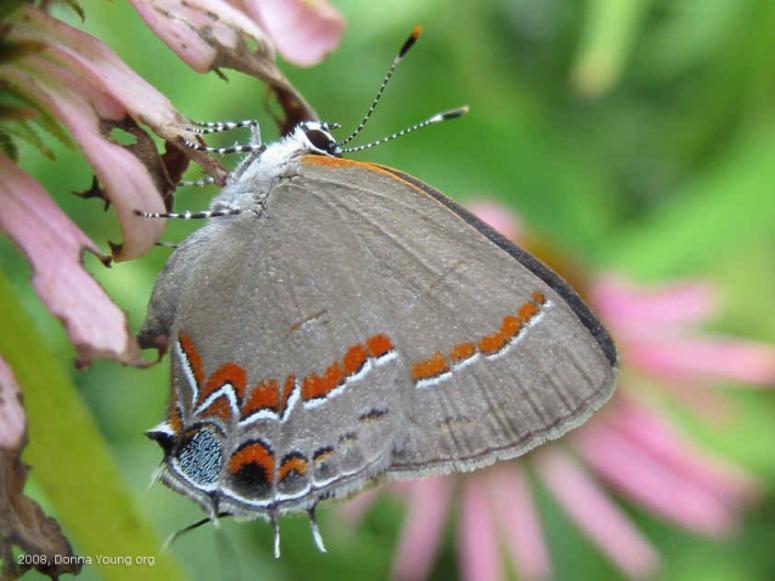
207	127
188	215
255	144
316	536
275	522
205	181
236	148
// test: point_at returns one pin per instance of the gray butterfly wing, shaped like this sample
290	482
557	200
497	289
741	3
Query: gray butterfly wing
399	335
446	281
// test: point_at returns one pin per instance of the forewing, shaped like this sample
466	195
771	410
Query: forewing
540	363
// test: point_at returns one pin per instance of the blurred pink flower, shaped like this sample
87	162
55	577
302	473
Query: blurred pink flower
629	446
304	31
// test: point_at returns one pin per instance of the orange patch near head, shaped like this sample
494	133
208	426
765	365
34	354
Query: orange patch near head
379	345
187	345
292	464
265	395
230	373
254	453
435	365
538	297
462	352
354	359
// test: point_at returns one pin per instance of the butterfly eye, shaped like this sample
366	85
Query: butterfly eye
321	140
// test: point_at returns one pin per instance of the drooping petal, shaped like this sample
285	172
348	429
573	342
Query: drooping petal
12	419
631	309
706	358
596	514
212	34
53	245
125	178
304	31
99	66
421	534
517	519
477	543
652	483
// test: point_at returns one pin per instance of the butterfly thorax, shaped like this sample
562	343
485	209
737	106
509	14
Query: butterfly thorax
249	184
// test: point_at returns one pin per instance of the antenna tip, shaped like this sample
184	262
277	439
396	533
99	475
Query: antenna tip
416	31
459	112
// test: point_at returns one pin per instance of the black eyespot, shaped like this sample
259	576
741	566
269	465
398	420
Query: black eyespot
164	439
321	140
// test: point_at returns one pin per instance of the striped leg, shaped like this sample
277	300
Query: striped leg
221	126
207	127
236	148
187	215
205	181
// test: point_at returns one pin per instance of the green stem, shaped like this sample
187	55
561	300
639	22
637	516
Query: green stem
70	459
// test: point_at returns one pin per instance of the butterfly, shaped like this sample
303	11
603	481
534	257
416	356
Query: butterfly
338	323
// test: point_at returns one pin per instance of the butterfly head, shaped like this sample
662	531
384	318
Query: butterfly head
317	136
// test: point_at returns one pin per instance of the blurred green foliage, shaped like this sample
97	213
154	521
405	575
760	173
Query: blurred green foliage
640	135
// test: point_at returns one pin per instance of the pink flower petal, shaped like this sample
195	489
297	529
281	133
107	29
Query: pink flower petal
126	179
652	434
497	216
304	31
13	422
518	522
477	543
596	515
721	359
53	244
711	405
212	34
421	533
99	66
629	308
199	30
652	483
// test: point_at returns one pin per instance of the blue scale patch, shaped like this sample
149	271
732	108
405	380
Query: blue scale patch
201	458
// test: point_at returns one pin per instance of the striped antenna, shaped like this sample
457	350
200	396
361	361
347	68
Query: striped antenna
399	57
437	118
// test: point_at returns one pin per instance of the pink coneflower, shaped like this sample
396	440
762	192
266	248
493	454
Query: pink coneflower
631	447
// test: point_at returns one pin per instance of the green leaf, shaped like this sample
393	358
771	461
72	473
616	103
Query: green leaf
608	36
726	208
